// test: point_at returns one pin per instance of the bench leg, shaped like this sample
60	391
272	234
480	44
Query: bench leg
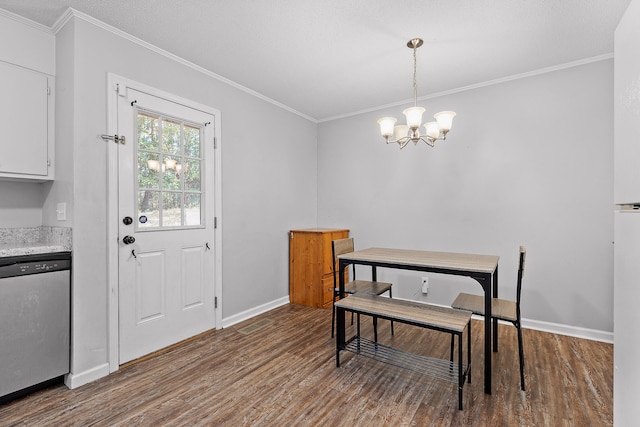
358	331
461	375
375	328
451	352
469	352
391	296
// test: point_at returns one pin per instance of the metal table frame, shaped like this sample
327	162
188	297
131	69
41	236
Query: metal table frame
485	273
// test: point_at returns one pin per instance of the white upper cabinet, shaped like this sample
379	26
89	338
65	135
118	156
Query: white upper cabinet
26	121
627	108
27	67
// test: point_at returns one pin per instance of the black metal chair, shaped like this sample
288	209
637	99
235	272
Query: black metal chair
344	246
500	309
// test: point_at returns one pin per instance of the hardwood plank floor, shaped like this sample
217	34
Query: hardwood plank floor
283	374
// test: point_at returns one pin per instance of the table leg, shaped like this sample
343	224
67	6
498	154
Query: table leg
340	334
495	321
487	285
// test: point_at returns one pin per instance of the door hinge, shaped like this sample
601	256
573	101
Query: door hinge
121	91
215	222
48	162
49	90
215	302
215	143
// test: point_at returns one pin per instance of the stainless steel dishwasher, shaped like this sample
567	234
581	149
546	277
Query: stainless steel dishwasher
35	301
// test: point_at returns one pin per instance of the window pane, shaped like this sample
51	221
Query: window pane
192	211
171	209
148	167
169	172
170	177
147	132
192	176
191	141
148	209
170	137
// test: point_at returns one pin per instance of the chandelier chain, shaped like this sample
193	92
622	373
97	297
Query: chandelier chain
415	80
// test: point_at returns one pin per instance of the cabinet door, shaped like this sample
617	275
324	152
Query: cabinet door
24	122
626	153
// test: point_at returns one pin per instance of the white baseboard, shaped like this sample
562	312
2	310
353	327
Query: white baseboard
74	380
248	314
556	328
572	331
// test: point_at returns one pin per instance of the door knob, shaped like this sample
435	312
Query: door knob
127	220
127	240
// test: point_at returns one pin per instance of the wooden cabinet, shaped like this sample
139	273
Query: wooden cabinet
26	119
311	265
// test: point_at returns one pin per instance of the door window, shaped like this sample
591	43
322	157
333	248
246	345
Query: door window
169	172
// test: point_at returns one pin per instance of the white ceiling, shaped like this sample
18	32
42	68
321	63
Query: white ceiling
327	58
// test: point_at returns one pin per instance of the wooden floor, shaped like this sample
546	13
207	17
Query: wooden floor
278	369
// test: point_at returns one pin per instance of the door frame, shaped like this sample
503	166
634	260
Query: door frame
117	86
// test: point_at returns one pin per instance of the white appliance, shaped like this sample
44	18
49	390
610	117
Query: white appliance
626	318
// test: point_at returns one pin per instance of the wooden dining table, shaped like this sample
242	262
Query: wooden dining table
481	268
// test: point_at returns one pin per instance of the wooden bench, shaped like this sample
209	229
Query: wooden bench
444	319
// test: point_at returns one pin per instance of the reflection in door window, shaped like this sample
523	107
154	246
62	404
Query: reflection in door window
169	172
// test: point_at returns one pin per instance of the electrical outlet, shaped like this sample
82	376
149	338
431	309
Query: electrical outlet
425	285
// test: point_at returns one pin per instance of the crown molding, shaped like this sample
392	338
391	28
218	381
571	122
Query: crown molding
72	13
476	86
25	21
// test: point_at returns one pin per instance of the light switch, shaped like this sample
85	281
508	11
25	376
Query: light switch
61	210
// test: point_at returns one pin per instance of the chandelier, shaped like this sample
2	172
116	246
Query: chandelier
410	132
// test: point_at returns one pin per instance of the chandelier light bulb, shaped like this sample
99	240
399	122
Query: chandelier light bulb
414	117
153	165
433	131
400	131
386	126
444	119
170	163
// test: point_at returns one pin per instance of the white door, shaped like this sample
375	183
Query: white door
166	223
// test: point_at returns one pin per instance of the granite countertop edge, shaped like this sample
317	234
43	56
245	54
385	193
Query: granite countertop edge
34	240
18	249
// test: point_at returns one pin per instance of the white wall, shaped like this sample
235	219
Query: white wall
20	204
61	190
528	162
268	176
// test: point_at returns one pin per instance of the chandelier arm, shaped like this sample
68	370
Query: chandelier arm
430	142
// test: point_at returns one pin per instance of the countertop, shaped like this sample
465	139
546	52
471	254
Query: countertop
17	249
34	240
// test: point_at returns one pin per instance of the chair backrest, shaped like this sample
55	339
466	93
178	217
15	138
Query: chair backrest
523	255
340	247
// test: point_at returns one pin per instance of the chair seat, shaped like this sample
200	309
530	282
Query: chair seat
500	308
366	287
